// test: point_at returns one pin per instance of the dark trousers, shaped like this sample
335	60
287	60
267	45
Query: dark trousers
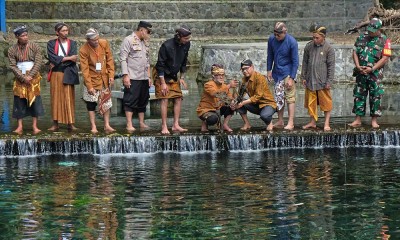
265	112
137	96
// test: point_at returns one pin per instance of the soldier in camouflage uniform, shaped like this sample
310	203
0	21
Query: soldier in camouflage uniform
371	52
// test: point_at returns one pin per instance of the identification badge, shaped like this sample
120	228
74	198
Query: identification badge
98	66
23	69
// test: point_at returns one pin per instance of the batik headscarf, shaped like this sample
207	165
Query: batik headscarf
91	33
316	28
217	69
183	31
20	30
58	26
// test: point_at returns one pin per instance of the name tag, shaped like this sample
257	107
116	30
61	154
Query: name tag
23	69
98	66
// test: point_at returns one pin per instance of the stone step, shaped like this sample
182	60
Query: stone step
181	9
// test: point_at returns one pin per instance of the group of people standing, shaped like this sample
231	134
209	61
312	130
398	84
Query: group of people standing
371	52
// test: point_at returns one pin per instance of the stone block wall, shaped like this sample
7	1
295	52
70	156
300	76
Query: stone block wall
211	21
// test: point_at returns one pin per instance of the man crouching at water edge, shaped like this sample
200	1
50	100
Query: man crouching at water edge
211	100
260	101
25	62
97	67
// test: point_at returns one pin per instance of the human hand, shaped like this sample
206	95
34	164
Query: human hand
92	91
269	76
289	84
233	83
164	89
183	83
126	81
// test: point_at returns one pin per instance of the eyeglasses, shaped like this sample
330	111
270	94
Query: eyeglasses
245	69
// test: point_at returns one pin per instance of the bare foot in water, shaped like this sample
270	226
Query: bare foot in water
130	129
270	127
227	128
179	129
375	125
94	131
109	130
36	130
278	124
18	131
53	128
374	122
289	127
165	131
245	127
309	126
327	128
354	124
71	127
143	127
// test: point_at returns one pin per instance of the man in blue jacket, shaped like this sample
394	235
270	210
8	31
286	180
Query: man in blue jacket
282	64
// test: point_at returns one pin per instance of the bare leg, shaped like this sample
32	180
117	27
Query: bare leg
246	122
327	120
204	127
311	124
225	125
36	130
177	113
290	124
280	123
374	122
107	127
142	125
356	122
129	126
20	128
54	127
164	109
92	118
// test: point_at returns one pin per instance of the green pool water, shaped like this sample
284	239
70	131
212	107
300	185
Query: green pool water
333	193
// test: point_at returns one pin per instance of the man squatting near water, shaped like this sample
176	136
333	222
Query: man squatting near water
172	59
211	101
135	65
63	54
371	52
260	100
282	64
25	62
317	74
97	67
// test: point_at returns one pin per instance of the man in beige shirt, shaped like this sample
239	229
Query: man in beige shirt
135	64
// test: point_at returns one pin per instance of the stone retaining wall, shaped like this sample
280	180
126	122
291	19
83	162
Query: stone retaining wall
211	21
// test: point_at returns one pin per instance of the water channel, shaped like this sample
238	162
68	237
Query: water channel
334	192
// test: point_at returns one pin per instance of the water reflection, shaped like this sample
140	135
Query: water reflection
299	194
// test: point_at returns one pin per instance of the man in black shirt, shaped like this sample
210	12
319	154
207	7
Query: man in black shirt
172	59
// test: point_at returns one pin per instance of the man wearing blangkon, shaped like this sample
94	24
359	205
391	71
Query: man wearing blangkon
172	59
25	62
282	64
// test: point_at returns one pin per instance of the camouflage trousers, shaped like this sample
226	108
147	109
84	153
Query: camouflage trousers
364	85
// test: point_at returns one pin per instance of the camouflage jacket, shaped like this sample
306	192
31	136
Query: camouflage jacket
369	51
